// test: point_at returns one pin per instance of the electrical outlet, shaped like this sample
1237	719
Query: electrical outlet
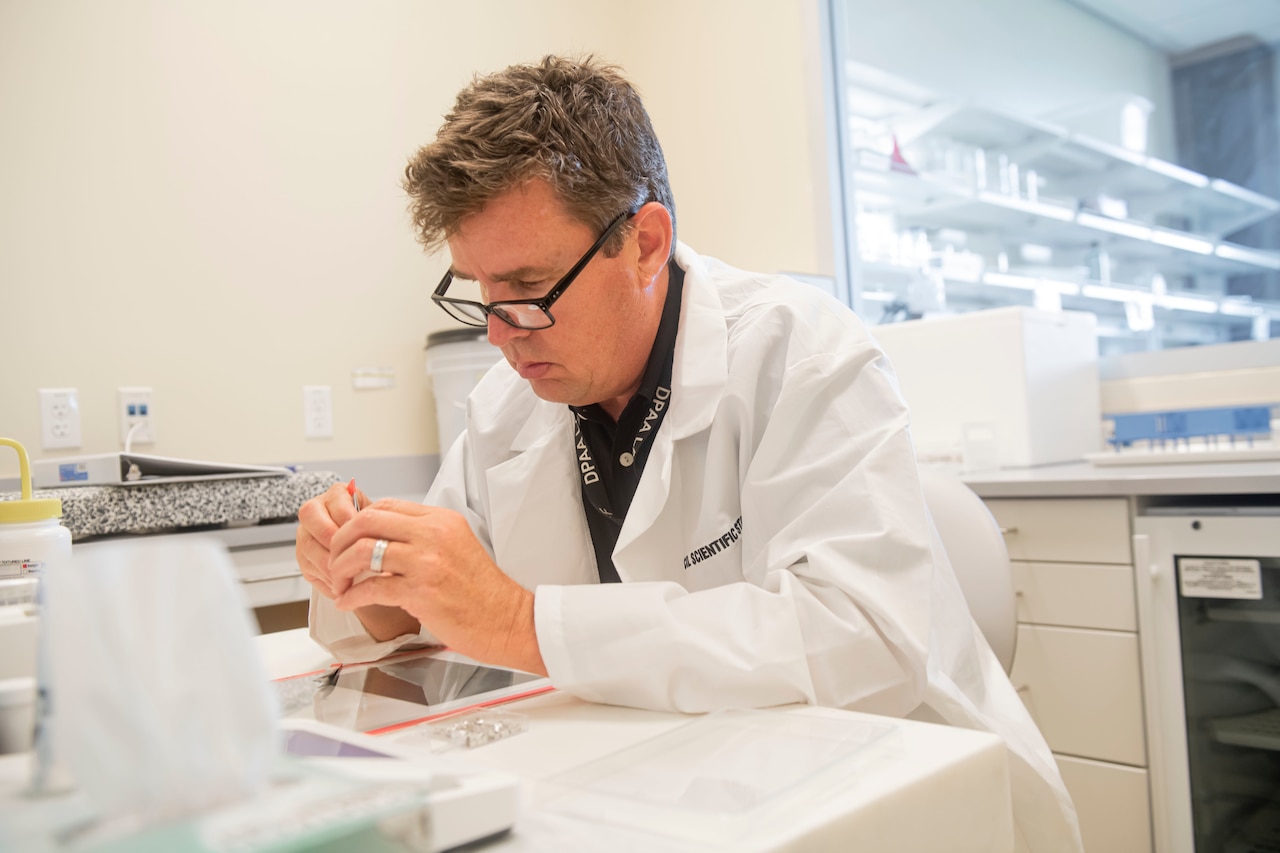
317	411
59	418
136	416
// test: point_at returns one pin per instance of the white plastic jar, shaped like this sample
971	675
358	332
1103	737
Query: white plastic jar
33	541
32	537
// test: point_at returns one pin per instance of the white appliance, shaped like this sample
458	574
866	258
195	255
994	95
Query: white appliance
1004	388
1208	595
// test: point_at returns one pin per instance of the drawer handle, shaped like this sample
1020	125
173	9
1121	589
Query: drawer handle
272	578
1008	531
1023	688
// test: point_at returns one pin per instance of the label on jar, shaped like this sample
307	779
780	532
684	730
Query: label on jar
19	568
1219	577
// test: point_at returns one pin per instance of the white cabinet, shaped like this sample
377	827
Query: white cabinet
1084	689
1077	666
269	574
1115	801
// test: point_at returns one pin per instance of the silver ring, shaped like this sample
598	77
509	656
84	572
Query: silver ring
375	561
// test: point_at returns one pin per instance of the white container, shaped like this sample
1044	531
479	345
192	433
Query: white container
17	714
456	359
1004	388
33	542
1121	118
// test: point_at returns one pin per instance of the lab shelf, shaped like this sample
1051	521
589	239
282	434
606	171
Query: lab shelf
1259	832
934	202
1235	614
1080	165
1139	241
1256	731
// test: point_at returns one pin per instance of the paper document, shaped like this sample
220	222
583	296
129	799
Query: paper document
125	469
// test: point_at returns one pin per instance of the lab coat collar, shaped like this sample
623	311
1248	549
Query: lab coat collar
698	379
546	421
701	364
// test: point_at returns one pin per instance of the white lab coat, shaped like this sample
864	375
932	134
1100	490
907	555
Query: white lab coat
832	589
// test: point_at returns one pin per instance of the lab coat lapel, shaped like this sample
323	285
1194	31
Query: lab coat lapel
698	379
538	528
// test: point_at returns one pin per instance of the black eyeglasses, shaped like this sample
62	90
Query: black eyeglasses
521	313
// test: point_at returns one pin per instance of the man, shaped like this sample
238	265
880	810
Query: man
730	447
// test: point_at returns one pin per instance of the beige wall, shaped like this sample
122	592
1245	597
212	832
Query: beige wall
203	198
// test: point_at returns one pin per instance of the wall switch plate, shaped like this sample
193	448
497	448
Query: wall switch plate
317	411
136	411
59	418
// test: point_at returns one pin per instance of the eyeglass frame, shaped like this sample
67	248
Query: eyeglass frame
543	302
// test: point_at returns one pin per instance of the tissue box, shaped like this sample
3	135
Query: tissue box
1007	388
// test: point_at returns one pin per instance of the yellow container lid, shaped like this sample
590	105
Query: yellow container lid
28	508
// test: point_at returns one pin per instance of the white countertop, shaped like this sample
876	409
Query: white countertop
1084	479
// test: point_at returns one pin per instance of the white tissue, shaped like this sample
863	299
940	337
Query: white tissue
161	704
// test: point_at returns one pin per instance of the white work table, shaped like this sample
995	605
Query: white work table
923	787
915	788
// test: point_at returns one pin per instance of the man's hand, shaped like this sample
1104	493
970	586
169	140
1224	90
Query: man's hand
318	521
438	572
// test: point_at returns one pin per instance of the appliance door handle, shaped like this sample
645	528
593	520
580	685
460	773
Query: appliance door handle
1148	581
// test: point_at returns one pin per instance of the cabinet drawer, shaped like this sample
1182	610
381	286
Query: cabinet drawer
1084	690
1076	595
1112	802
1065	530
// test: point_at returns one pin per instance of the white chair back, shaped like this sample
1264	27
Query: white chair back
977	552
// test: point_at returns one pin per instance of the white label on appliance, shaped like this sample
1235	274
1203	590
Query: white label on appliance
1216	577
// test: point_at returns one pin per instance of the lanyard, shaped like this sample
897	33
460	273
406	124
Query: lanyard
593	488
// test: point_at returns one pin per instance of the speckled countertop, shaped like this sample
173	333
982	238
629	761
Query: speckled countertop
155	507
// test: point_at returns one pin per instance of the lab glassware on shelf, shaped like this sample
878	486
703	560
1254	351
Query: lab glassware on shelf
1125	235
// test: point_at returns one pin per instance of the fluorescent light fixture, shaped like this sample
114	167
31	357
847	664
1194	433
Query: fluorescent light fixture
1235	191
1178	173
1255	257
1115	294
1066	288
1178	240
1004	279
1190	303
1241	309
1027	282
1039	208
1115	226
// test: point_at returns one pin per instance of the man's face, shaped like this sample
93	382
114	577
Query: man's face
517	247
